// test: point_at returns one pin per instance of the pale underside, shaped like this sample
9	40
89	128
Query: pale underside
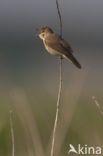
52	51
55	45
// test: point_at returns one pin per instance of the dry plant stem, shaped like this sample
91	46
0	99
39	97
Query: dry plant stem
12	133
97	104
58	108
60	87
60	19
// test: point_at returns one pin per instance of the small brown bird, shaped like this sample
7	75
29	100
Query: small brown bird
55	45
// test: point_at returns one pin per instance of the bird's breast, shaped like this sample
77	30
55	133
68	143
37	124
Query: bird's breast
51	50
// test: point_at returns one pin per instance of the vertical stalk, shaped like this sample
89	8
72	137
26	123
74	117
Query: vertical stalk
12	133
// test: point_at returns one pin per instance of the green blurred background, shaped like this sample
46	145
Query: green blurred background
29	76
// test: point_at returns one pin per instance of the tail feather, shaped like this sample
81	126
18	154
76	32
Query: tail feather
73	60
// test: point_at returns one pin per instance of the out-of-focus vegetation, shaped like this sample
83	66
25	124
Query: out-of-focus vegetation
34	112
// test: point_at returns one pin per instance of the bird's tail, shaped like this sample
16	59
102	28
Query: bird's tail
73	60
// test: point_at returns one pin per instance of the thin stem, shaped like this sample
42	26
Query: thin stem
57	109
60	18
12	133
97	104
60	86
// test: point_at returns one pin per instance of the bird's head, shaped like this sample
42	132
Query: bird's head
44	31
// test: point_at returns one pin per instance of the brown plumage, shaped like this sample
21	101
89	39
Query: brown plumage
55	45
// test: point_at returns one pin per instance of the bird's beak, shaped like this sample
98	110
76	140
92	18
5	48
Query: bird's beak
38	31
38	34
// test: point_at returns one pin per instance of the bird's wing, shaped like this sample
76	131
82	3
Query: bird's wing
55	42
66	45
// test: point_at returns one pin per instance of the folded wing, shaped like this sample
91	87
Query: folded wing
57	43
